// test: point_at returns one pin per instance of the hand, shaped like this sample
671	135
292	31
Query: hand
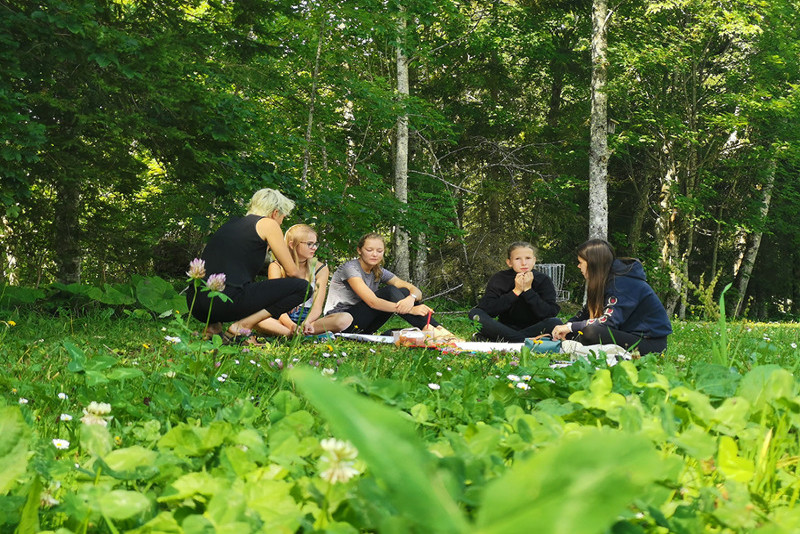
404	306
522	282
560	331
308	329
421	309
527	281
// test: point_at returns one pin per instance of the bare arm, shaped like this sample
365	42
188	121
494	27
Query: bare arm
321	289
274	271
407	305
270	231
369	297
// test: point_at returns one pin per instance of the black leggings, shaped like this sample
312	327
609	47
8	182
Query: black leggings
277	296
495	330
594	334
367	320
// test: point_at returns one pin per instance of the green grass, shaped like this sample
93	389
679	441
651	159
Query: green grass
204	434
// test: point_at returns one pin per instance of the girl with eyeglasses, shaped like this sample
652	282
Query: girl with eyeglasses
302	242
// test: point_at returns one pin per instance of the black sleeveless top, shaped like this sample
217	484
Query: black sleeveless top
237	250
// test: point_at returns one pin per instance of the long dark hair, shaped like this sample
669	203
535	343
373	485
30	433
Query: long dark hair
377	270
599	255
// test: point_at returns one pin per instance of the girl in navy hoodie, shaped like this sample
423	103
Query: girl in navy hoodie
621	307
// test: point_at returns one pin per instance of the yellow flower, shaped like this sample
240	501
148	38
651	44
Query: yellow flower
329	347
118	440
12	323
145	345
580	333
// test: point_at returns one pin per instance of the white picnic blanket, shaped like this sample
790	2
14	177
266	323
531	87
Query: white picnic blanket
574	349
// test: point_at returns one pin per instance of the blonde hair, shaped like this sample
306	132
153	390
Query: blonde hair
265	201
377	271
293	235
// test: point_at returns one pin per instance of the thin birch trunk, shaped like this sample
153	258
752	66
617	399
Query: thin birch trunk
749	260
598	145
312	103
401	252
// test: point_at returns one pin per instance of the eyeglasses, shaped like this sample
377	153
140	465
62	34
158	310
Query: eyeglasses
313	245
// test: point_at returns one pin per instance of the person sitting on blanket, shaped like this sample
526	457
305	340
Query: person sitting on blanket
238	250
303	244
621	307
356	294
522	299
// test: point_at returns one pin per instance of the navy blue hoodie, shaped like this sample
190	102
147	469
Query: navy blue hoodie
631	304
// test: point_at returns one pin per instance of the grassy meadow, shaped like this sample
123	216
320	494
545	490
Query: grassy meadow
116	422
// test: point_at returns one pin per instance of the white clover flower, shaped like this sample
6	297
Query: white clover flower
513	378
197	269
216	282
222	377
98	408
61	444
23	400
438	373
170	374
172	339
327	372
794	345
344	354
62	396
93	419
236	362
65	417
253	362
434	386
337	463
326	355
523	385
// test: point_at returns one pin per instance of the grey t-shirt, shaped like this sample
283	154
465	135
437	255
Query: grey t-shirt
341	296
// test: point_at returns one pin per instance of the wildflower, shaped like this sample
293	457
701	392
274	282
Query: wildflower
513	378
145	345
253	362
11	323
372	351
118	440
170	374
222	378
65	417
216	282
62	396
13	391
23	400
61	444
523	385
438	373
326	355
197	269
344	354
794	345
327	371
434	386
337	463
236	362
93	414
526	378
172	339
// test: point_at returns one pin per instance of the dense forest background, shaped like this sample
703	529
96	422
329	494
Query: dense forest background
131	129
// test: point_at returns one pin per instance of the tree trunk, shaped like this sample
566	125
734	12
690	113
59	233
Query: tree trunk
421	262
666	230
401	252
67	241
312	102
749	260
598	144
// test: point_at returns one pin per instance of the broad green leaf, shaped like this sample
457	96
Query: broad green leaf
129	458
577	486
29	518
15	438
122	504
124	373
696	442
77	357
599	395
766	383
156	294
393	452
731	464
163	523
191	484
96	440
273	501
